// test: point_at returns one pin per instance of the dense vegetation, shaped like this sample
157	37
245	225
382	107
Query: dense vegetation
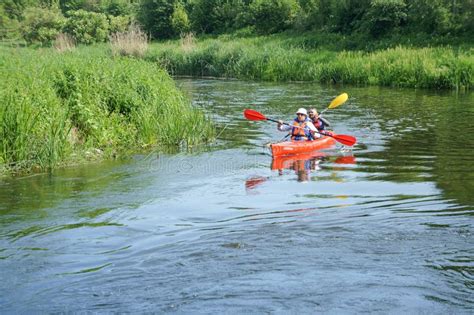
92	20
58	109
351	41
287	58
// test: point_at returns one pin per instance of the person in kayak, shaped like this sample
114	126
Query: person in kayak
317	121
302	128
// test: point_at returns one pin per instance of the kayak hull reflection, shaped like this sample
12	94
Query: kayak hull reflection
296	147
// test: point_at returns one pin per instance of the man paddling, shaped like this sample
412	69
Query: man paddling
302	128
317	121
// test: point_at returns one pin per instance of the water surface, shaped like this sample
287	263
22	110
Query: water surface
384	227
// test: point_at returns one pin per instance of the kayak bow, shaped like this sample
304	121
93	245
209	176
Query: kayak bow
295	147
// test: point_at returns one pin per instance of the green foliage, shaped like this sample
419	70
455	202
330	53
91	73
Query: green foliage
384	16
179	19
347	16
218	16
15	8
429	16
75	5
9	27
55	109
366	19
87	27
42	25
118	23
118	8
278	58
155	17
272	16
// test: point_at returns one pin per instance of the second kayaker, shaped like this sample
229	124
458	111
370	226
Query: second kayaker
317	120
302	128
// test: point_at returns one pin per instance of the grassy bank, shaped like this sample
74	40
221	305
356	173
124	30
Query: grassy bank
289	58
66	108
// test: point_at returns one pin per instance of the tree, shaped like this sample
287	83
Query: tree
41	25
271	16
179	19
9	27
429	16
155	17
87	27
75	5
118	8
384	16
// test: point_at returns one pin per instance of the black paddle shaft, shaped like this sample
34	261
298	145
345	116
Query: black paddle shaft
284	123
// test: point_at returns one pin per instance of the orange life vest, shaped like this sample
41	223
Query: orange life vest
300	133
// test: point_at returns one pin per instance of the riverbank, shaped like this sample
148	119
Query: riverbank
284	57
68	108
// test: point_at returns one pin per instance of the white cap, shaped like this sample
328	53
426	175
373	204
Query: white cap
302	111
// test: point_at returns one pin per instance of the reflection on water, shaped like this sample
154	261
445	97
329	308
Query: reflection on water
385	227
304	164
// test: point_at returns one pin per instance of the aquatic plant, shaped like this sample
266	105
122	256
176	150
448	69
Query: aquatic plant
277	58
62	108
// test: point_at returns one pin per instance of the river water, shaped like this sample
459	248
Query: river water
386	226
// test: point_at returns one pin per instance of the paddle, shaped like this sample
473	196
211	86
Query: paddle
341	99
251	114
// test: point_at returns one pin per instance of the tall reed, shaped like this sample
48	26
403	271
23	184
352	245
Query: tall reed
64	43
274	58
133	42
58	109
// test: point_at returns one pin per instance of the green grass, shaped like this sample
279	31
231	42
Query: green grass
66	108
285	58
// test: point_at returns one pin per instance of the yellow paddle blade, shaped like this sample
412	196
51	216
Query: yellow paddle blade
341	99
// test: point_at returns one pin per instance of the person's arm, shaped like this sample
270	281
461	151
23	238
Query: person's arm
313	130
282	127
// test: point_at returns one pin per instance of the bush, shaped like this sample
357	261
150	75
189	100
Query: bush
429	16
9	27
41	25
75	5
179	20
118	23
218	16
155	17
384	16
272	16
118	8
87	27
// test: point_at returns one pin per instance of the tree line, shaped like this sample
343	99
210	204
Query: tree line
89	21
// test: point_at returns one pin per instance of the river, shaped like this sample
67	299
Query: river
386	226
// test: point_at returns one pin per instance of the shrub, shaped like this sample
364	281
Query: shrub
118	8
118	23
383	16
218	16
155	17
272	16
179	20
75	5
9	27
41	25
87	27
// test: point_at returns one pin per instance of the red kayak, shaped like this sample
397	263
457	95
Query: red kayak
295	147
